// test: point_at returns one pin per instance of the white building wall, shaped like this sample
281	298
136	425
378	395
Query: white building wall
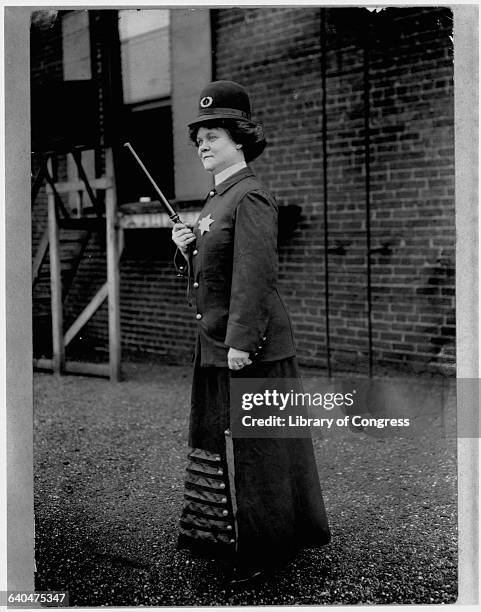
191	59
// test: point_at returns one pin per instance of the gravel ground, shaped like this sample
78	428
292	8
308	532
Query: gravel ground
109	468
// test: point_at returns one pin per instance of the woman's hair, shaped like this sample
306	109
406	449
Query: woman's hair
249	134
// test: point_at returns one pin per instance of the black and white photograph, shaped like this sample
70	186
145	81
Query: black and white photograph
242	305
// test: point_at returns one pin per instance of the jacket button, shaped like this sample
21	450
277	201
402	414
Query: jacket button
198	316
255	354
196	285
220	471
222	485
229	527
181	267
194	252
227	432
225	512
223	500
259	347
211	193
264	338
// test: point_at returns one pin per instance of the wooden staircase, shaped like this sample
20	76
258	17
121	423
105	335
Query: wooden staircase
65	241
73	244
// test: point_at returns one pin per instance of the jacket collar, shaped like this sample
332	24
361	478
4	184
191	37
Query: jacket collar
232	180
224	174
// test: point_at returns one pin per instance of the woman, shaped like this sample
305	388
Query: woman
254	501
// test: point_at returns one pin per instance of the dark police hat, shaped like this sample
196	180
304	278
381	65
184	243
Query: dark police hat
223	100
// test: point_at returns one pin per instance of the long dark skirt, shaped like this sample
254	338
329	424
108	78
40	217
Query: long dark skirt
255	501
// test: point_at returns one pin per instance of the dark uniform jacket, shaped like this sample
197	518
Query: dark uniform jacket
233	273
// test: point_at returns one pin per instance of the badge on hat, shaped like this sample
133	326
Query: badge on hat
206	101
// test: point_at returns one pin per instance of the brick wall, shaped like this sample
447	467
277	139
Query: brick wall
407	71
413	189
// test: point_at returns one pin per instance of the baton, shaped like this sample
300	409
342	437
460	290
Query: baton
174	217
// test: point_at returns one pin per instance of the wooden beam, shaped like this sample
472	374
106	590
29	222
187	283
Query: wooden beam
103	182
37	183
121	236
77	156
113	276
75	367
55	287
40	255
50	187
70	273
87	313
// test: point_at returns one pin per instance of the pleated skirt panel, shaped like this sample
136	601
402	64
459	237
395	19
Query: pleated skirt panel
248	500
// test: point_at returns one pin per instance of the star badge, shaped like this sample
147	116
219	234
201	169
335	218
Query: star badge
205	223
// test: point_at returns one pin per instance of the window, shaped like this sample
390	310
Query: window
145	53
146	83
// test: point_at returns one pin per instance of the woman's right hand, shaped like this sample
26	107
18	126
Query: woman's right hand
182	236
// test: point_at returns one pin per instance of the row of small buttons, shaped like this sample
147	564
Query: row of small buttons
198	316
261	346
227	432
224	500
222	485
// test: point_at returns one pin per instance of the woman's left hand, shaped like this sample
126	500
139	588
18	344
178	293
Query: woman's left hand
237	359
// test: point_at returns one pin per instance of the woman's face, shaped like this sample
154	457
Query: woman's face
217	150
